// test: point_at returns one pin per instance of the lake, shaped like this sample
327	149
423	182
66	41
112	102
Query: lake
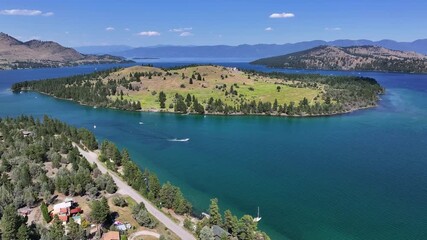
356	176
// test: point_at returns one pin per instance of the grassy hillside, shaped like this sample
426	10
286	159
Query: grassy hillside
359	58
215	82
213	90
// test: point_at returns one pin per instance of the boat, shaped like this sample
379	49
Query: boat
258	218
179	140
140	123
94	126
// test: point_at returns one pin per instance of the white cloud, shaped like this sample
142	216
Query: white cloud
149	34
181	29
48	14
282	15
110	29
269	29
185	34
67	32
127	29
25	12
333	29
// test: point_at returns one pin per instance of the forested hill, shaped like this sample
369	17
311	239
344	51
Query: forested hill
358	58
213	90
35	53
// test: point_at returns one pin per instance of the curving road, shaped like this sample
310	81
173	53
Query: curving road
125	189
143	233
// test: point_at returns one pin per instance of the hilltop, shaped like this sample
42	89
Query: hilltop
35	53
364	58
213	89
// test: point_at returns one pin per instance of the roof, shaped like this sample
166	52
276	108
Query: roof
111	235
218	231
61	205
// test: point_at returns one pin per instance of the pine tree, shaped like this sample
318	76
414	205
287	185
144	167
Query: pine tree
230	222
215	215
56	230
23	233
9	223
75	231
206	234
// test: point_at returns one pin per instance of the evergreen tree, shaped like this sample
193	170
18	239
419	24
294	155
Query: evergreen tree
206	234
56	230
45	212
23	233
75	231
9	223
230	223
215	215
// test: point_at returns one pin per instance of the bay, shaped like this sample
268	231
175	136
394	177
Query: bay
356	176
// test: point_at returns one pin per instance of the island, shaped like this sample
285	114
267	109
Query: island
15	54
353	58
58	182
210	89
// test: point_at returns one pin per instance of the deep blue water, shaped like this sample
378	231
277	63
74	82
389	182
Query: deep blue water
356	176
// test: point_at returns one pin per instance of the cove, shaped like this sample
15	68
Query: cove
356	176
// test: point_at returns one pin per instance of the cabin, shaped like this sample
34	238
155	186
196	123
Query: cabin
66	209
111	235
219	232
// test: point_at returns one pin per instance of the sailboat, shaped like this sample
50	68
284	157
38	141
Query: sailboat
258	218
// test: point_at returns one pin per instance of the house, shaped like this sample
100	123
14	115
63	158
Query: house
111	235
66	209
219	232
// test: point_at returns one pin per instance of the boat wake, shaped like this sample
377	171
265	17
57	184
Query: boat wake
179	140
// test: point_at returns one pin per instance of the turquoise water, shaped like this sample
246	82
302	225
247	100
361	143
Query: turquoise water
356	176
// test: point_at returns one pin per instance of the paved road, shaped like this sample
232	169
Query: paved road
125	189
143	233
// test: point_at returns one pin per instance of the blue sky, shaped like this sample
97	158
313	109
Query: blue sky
203	22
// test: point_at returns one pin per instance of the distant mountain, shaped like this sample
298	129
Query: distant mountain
16	54
364	58
108	49
260	50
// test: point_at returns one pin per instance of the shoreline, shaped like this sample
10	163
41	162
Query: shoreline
214	114
340	70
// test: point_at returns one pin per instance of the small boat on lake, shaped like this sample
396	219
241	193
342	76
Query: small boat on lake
179	140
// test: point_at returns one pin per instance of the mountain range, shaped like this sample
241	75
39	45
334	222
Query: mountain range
35	53
362	58
245	51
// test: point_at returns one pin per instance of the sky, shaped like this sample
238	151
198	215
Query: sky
211	22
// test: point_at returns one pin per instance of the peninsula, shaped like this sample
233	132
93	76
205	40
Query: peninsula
15	54
209	89
354	58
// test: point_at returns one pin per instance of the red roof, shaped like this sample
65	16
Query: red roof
75	210
63	218
63	210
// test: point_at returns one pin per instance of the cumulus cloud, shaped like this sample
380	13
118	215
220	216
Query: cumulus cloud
282	15
269	29
25	12
109	29
127	29
185	34
333	29
149	34
186	29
